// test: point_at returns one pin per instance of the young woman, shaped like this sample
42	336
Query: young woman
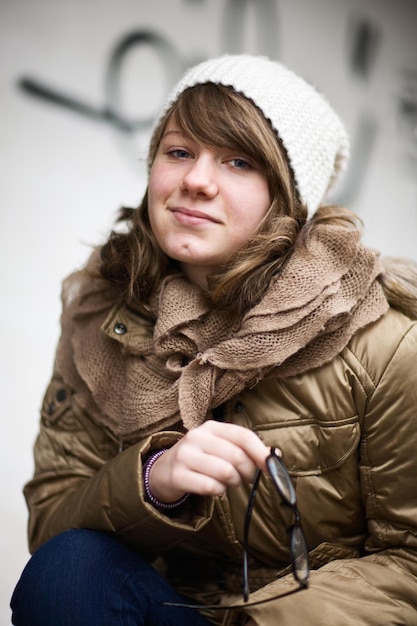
236	338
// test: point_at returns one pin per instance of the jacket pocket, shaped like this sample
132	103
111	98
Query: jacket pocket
312	446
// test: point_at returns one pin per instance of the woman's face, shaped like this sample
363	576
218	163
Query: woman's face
204	202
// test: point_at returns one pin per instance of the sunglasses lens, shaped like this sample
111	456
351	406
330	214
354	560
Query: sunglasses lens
281	479
300	555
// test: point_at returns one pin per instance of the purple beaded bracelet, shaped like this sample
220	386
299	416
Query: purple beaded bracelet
148	493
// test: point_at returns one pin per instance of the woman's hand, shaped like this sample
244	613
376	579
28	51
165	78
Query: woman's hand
207	460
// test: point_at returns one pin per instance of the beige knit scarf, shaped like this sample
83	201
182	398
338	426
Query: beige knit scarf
196	358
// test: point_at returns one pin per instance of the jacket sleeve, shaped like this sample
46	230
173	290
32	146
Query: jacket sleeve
82	480
381	586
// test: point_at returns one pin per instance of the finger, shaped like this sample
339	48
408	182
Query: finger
242	437
221	460
217	457
199	483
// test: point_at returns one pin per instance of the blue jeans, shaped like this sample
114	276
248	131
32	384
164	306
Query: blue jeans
88	578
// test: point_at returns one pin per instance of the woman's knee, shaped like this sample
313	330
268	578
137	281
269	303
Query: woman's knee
69	576
87	577
71	556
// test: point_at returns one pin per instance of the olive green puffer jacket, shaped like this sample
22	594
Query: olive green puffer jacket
348	435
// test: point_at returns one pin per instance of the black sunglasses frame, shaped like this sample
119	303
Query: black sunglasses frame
298	548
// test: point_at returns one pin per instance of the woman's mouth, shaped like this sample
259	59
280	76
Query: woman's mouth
192	217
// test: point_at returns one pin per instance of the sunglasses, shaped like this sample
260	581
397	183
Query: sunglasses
298	548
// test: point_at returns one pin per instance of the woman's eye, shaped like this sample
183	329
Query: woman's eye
179	153
240	164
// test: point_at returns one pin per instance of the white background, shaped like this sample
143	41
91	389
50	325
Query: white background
63	175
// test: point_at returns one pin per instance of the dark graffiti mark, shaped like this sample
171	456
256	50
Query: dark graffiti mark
364	39
263	15
170	61
407	118
36	88
112	112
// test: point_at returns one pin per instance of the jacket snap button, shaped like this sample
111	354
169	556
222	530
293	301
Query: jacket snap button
61	395
120	329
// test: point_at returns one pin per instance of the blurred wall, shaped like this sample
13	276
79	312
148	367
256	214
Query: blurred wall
80	83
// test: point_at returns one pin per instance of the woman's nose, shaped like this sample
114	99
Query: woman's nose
200	178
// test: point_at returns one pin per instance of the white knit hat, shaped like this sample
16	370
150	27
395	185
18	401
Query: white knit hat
312	134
